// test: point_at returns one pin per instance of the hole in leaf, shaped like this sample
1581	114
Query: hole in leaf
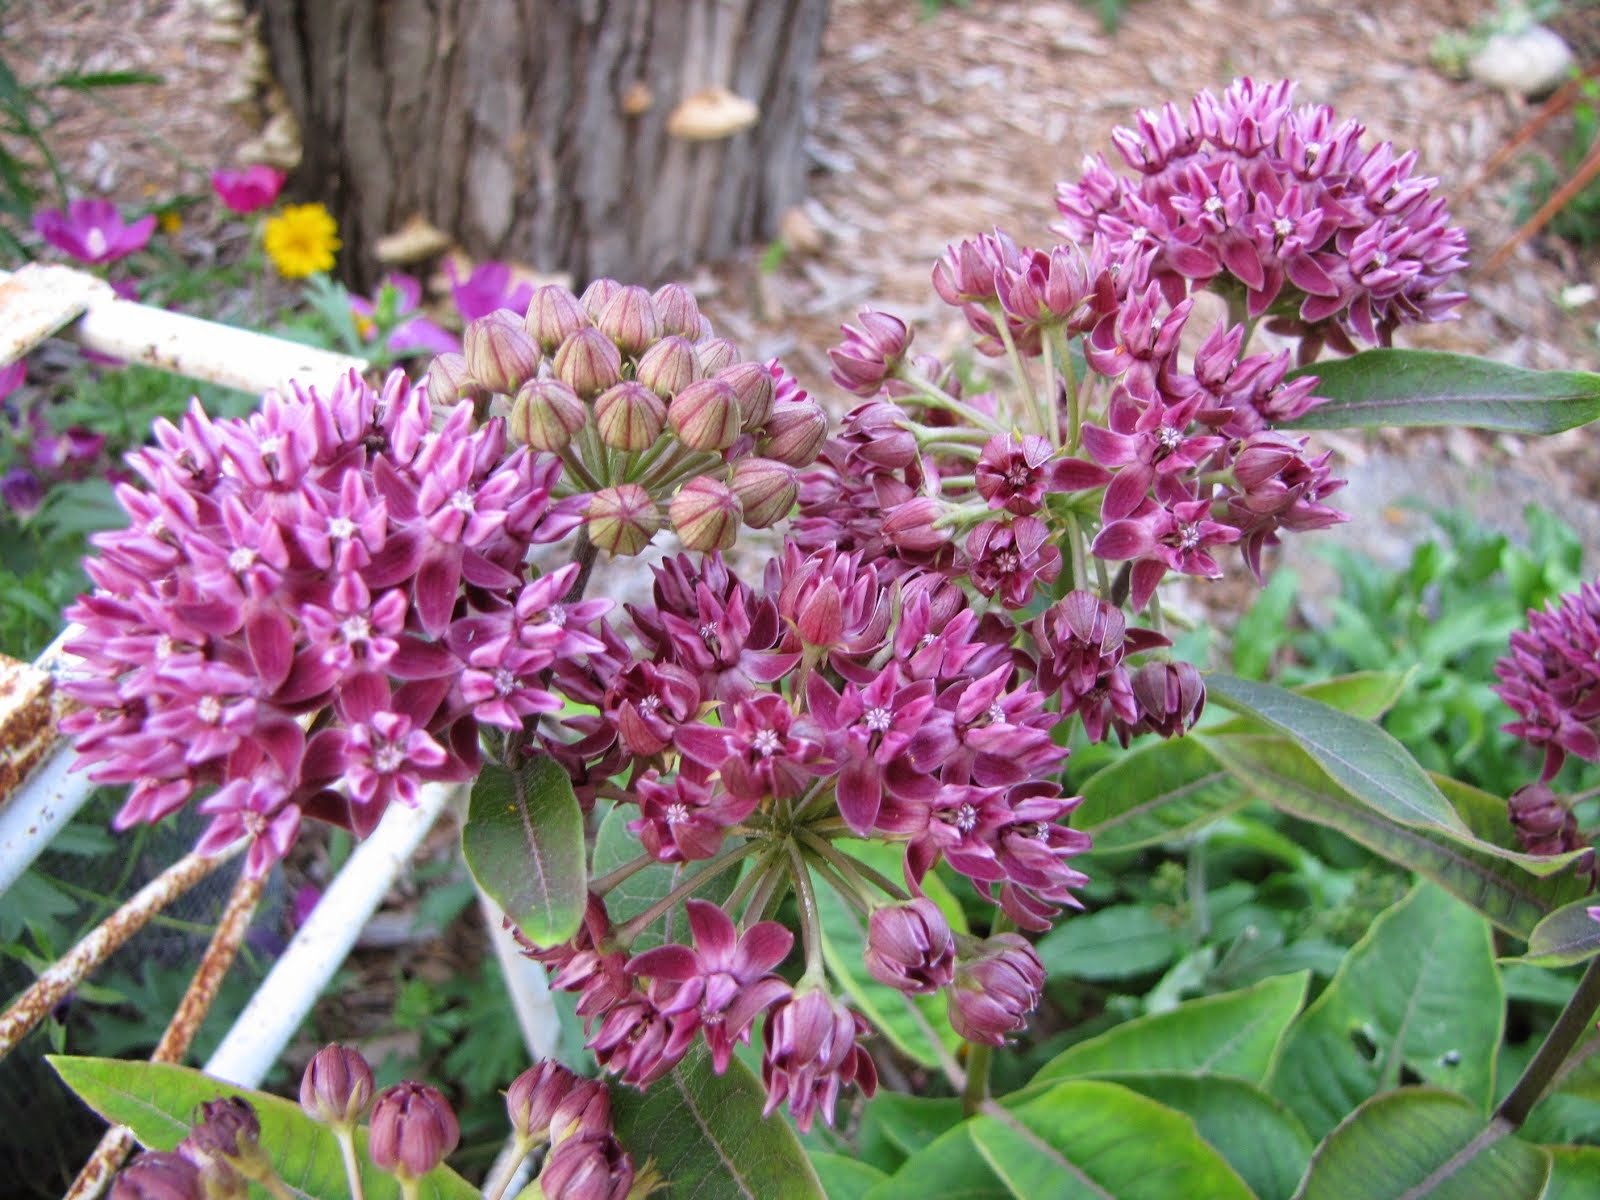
1361	1039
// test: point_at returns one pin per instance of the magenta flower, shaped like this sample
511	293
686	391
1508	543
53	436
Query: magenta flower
726	981
812	1053
93	231
1551	679
488	288
416	334
995	991
22	492
249	190
909	946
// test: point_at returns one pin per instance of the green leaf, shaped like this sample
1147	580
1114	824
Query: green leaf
845	1178
1422	1142
1419	388
1115	943
157	1101
1093	1139
708	1138
916	1025
1155	793
1265	626
912	1122
615	846
1489	878
1235	1033
950	1168
1567	936
1369	764
1396	1006
1574	1173
1259	1137
1486	817
523	842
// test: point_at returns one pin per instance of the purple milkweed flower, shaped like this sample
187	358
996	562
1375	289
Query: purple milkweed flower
1543	824
412	1129
1551	679
909	946
418	333
995	991
93	231
590	1168
534	1096
811	1053
869	355
249	190
337	1086
726	981
487	288
158	1175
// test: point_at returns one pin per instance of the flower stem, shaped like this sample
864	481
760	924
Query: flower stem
694	883
1568	1030
851	868
627	870
976	1094
1030	400
1052	408
1080	569
810	917
934	396
1069	379
352	1165
505	1169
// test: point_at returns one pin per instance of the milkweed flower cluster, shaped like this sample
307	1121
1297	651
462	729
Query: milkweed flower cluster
313	611
970	580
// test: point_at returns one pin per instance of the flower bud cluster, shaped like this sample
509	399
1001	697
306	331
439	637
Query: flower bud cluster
339	562
659	422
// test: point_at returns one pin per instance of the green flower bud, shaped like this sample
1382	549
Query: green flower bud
547	415
766	489
629	416
500	353
554	315
588	362
668	367
706	515
705	415
629	319
621	520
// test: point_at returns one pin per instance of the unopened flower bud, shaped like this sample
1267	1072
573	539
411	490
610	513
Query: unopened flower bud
668	367
587	1169
229	1129
909	946
582	1114
1171	697
588	362
337	1086
547	415
598	294
450	381
994	991
705	415
680	315
706	515
629	319
753	387
911	525
794	433
870	354
629	416
1544	825
158	1175
554	315
500	353
766	489
412	1129
820	621
621	520
715	354
533	1097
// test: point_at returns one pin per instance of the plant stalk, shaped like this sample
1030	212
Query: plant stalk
1565	1034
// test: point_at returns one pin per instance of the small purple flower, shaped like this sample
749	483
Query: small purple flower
487	288
1543	824
22	492
1551	679
995	990
337	1086
909	946
411	1131
587	1169
158	1175
93	231
249	190
811	1053
871	354
533	1098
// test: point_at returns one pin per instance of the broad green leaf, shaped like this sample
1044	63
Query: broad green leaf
523	842
1487	877
1155	793
916	1025
1236	1033
1420	388
1568	935
1259	1137
845	1178
950	1168
912	1122
1364	694
1115	943
1397	1006
1087	1138
614	846
708	1138
1369	764
1422	1142
158	1101
1574	1173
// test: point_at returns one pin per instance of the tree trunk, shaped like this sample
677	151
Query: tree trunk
536	130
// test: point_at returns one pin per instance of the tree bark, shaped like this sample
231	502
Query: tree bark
506	124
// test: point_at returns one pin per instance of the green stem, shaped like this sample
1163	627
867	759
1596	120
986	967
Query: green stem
352	1165
408	1187
1030	400
574	464
749	883
627	870
810	917
851	868
1069	378
495	1186
976	1094
1080	570
1566	1033
934	396
848	891
1053	421
689	886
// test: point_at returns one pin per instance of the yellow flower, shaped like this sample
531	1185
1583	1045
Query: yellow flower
301	240
170	221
